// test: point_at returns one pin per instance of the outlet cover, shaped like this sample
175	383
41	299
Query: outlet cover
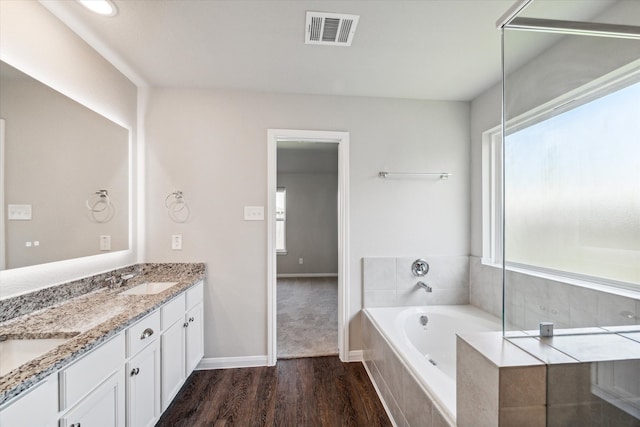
105	242
176	242
254	213
19	212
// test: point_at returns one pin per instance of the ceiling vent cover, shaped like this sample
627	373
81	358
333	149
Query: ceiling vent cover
331	29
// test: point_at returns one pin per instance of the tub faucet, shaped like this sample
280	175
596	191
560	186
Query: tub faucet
424	286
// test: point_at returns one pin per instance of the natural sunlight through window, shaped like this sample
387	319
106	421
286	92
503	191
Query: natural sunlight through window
281	219
572	190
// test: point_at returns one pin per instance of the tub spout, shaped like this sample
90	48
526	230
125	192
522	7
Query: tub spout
424	286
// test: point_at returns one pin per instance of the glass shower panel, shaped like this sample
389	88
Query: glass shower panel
571	181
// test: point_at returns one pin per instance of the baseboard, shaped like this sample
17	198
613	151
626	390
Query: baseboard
356	356
231	362
284	276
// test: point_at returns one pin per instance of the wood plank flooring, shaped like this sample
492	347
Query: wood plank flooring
319	391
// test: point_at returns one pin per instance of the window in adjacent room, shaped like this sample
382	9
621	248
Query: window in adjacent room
281	220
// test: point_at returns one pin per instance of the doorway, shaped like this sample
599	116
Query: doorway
298	282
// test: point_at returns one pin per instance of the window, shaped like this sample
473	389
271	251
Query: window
571	188
281	221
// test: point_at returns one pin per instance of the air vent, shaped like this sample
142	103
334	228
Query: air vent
331	29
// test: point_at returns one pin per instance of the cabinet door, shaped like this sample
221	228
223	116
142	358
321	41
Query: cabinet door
194	338
44	397
143	387
172	350
103	407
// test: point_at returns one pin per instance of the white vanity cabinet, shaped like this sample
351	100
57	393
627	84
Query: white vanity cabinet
128	380
92	389
143	372
181	341
43	396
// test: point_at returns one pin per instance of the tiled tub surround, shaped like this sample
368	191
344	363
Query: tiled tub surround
394	351
530	300
389	282
88	319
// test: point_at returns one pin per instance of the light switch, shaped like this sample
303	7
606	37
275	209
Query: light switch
254	213
19	212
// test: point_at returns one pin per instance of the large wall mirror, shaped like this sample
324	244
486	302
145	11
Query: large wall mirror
65	170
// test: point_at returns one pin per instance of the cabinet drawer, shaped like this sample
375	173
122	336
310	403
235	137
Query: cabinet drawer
79	379
195	295
173	311
143	333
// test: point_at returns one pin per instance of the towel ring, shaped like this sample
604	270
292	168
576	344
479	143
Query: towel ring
177	207
100	207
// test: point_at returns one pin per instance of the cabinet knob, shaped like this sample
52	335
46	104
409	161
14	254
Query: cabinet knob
191	319
146	334
185	324
134	371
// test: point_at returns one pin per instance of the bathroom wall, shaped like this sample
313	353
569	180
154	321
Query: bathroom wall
212	144
389	282
37	43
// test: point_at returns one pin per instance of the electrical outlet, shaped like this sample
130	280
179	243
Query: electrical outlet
300	261
254	213
176	242
105	243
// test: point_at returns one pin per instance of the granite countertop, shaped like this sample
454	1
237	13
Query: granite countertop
88	320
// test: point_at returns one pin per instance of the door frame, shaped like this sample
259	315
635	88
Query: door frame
331	137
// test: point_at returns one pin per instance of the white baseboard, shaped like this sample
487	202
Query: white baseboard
307	275
231	362
356	356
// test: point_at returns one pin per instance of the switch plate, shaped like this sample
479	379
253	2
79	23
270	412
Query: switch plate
19	212
254	213
300	261
105	242
176	242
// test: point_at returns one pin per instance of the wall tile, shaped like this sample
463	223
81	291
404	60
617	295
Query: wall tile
569	383
379	274
438	420
417	406
380	298
448	296
477	388
523	386
414	296
531	416
582	415
614	310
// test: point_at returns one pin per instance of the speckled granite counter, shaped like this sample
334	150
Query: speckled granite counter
87	319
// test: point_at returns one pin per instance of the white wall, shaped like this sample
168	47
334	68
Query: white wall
213	145
34	41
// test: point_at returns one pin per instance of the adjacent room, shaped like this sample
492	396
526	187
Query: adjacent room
320	213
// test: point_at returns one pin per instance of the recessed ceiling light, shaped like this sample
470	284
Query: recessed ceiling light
102	7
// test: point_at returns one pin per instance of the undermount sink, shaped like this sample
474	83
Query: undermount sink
16	352
149	288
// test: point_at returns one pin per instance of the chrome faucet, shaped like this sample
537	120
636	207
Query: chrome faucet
424	286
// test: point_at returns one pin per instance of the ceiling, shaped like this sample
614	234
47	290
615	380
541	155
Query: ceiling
419	49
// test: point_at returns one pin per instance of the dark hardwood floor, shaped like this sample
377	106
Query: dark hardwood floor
319	391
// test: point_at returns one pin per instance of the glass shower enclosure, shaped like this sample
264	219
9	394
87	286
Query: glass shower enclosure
567	162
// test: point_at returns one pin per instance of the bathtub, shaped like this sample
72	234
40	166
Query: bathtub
427	352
